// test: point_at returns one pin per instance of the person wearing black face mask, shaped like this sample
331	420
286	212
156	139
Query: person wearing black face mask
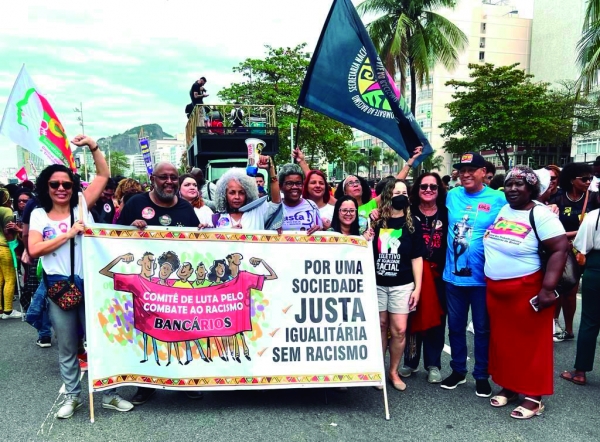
398	254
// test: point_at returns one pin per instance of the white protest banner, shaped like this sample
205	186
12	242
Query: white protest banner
212	309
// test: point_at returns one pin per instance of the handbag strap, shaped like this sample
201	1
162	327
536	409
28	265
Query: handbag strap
585	201
431	233
532	222
72	250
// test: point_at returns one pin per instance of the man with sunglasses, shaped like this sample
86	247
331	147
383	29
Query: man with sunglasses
159	207
471	209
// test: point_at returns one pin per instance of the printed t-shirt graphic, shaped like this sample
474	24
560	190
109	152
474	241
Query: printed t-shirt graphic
512	236
469	215
219	310
301	217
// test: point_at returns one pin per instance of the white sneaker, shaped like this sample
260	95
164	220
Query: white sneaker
470	327
434	376
13	315
113	401
405	371
70	404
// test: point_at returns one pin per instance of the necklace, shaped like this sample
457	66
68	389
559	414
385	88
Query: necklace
428	211
236	224
574	201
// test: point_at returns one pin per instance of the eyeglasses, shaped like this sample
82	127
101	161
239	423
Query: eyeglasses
585	179
553	178
67	185
167	177
353	183
292	183
22	201
433	187
348	211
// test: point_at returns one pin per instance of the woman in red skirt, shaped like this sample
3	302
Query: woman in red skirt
520	294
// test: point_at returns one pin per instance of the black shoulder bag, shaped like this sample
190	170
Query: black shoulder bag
65	293
571	273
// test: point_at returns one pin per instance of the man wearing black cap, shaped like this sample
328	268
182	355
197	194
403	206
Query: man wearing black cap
472	208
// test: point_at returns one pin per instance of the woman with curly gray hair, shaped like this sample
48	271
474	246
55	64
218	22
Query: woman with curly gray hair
520	295
235	190
298	213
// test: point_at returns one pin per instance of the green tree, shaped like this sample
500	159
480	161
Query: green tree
118	163
276	80
588	48
411	37
433	162
390	159
501	107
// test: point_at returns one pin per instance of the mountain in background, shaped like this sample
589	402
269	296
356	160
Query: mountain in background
127	142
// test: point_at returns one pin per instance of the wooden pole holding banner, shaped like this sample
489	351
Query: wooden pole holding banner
81	218
385	401
92	407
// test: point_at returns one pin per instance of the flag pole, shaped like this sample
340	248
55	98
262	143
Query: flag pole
298	127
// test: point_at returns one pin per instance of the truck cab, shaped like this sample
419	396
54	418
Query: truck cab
216	141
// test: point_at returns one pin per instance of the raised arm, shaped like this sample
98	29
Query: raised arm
128	257
94	190
265	162
300	159
257	261
407	166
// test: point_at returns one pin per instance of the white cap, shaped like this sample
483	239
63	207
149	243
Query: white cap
544	177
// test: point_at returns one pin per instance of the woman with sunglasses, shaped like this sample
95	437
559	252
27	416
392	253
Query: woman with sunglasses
428	198
398	252
574	200
51	231
188	190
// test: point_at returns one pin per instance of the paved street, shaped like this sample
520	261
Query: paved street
30	382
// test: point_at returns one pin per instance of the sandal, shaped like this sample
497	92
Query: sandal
501	401
573	376
525	413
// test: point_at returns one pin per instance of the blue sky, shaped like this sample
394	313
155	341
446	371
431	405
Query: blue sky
132	62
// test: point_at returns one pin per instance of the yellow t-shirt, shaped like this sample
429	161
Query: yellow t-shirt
6	216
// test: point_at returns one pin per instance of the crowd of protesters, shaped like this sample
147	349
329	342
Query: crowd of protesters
440	249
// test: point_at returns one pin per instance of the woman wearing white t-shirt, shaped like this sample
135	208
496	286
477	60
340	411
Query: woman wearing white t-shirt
235	189
188	189
298	213
316	188
520	294
50	232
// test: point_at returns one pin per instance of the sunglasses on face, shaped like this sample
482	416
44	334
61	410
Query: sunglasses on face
433	187
167	177
23	201
584	179
553	178
67	185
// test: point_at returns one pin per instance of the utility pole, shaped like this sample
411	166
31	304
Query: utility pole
79	110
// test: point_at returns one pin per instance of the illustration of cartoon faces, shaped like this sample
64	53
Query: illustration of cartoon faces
148	265
169	263
185	272
219	272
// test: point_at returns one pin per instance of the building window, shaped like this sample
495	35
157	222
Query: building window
587	146
481	56
482	42
483	26
425	123
426	94
425	109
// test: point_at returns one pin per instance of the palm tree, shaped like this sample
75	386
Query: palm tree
409	36
390	158
588	48
432	163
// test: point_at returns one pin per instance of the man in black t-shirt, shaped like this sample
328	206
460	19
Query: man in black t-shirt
197	91
159	207
104	210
